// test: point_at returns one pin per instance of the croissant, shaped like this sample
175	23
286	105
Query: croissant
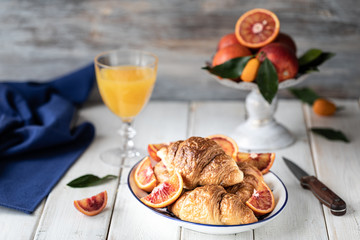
200	161
245	189
211	204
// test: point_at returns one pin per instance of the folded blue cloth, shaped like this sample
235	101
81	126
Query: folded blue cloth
37	144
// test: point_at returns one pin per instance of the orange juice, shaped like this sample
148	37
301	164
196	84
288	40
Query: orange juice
126	89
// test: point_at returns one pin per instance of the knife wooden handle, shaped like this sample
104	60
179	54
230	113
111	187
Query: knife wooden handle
325	195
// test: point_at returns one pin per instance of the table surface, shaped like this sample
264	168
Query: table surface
335	163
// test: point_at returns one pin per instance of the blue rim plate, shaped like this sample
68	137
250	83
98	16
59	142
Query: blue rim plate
272	180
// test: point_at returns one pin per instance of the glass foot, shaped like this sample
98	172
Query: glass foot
121	158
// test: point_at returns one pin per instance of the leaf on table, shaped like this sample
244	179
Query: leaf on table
306	95
267	80
313	58
89	180
330	134
231	69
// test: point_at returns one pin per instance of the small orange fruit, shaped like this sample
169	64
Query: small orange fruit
227	40
250	70
262	200
165	193
153	148
262	161
93	205
257	27
226	143
144	175
324	107
230	52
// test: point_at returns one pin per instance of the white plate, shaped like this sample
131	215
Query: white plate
273	181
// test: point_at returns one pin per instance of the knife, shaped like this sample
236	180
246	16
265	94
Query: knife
321	191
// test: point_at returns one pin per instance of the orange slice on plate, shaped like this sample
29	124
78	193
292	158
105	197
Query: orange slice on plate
262	200
144	175
92	205
257	28
226	143
262	161
165	193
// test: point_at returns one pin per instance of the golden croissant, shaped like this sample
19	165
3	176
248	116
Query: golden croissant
211	204
252	178
200	161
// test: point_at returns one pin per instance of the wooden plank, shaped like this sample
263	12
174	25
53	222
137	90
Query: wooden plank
302	218
60	219
160	122
337	165
208	118
19	225
44	39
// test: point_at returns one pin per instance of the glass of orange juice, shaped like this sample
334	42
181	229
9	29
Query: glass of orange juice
126	79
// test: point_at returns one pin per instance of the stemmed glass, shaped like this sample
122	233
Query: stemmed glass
126	79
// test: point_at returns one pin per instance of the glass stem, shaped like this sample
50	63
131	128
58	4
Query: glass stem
127	133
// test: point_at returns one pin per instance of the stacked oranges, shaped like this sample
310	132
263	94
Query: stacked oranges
257	33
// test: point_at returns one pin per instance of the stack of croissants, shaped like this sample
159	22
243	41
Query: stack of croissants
216	186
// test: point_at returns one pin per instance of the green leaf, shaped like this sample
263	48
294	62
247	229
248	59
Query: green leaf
309	56
267	80
89	180
313	58
330	134
306	95
230	69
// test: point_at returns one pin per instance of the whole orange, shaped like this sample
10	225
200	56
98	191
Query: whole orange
324	107
227	40
230	52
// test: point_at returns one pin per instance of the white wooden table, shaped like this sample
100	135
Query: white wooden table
335	163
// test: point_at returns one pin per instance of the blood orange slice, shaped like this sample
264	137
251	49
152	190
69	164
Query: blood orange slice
93	205
153	148
228	144
144	175
262	161
257	27
165	193
262	200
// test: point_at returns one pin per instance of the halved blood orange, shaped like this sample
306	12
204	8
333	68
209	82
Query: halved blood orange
262	200
262	161
165	193
257	28
228	144
92	205
144	175
153	148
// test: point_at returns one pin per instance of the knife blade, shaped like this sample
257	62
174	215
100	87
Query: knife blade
321	191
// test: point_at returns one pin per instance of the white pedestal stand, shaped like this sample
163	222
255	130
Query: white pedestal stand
260	131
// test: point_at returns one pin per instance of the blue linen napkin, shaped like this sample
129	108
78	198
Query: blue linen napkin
37	145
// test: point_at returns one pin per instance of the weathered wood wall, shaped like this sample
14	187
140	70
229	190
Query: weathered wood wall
43	39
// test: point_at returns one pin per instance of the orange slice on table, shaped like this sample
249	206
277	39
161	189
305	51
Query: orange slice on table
262	161
165	193
144	175
92	205
226	143
262	200
257	28
153	148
